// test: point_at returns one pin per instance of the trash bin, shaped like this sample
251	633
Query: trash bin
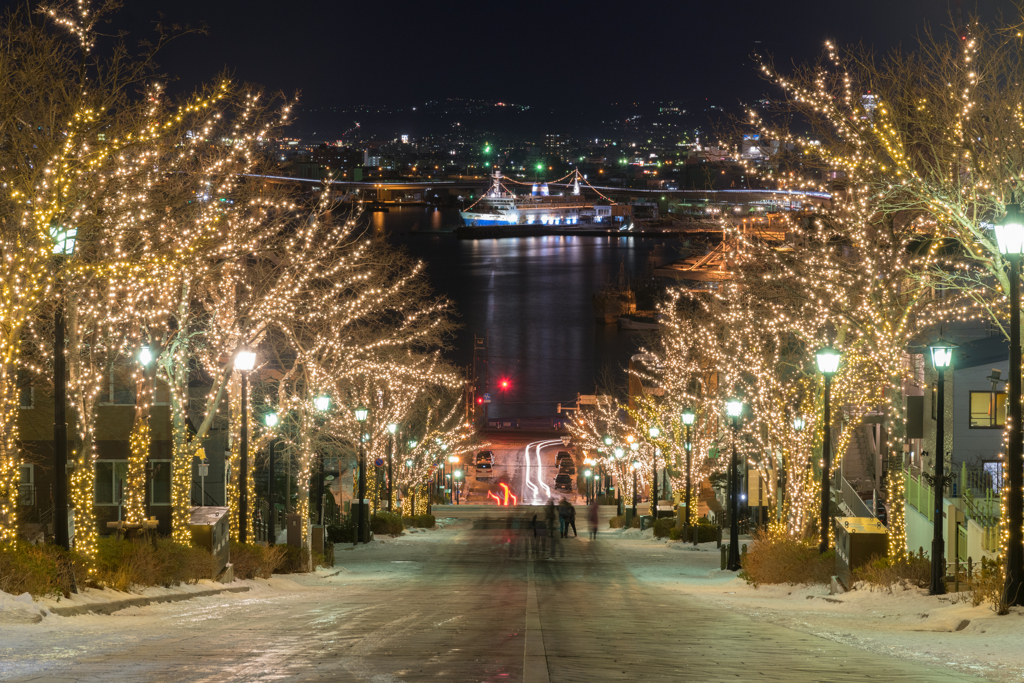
294	522
858	539
209	528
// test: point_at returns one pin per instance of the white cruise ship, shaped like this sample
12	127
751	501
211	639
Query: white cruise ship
499	206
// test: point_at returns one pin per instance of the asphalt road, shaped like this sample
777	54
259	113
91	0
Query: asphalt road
444	606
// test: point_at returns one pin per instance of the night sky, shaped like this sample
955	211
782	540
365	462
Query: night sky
543	54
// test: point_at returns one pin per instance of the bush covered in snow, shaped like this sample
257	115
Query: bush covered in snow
884	572
124	565
386	523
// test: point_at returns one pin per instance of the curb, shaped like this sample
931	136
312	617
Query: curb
116	605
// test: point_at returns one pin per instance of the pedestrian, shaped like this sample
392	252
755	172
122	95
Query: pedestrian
592	515
563	518
572	521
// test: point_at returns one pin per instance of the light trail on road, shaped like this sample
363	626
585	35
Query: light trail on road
537	498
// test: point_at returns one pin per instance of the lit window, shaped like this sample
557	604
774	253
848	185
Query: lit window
988	410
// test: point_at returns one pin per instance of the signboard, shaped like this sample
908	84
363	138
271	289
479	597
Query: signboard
379	462
588	399
487	398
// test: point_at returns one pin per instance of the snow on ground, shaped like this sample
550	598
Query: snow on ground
907	623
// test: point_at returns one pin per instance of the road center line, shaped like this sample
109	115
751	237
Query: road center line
535	659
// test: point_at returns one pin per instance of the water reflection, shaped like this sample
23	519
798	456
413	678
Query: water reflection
533	295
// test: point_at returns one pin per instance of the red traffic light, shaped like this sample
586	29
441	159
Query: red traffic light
504	384
480	399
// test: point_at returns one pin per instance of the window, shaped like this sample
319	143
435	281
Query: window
122	388
26	485
110	480
160	482
26	393
993	470
988	410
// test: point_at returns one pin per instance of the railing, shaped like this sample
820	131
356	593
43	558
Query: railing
982	512
851	501
919	494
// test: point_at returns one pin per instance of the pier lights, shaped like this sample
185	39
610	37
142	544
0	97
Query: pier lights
828	364
942	357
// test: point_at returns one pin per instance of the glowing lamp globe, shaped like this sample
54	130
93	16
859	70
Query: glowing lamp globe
619	453
270	419
412	444
245	359
324	402
145	355
360	413
942	354
654	432
453	458
798	423
392	428
634	446
828	361
408	463
636	464
688	417
734	408
607	440
587	474
1010	232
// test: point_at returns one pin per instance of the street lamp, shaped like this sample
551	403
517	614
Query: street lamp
452	459
145	355
654	433
587	474
245	359
63	245
1010	238
688	417
322	403
361	414
734	409
458	476
798	424
607	440
271	420
636	466
392	428
828	363
942	357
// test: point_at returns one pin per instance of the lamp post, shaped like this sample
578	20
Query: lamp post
1010	237
271	420
361	414
587	474
245	359
942	356
452	459
392	428
734	409
828	363
63	246
688	417
654	433
636	466
619	510
457	477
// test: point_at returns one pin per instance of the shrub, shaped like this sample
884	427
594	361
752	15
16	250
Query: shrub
124	565
420	521
616	522
989	586
706	533
344	532
884	572
781	559
386	523
294	561
326	558
255	560
38	570
664	527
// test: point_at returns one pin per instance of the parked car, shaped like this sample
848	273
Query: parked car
563	482
564	457
567	468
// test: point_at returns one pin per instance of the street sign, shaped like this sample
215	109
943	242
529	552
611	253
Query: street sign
588	399
379	462
487	398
